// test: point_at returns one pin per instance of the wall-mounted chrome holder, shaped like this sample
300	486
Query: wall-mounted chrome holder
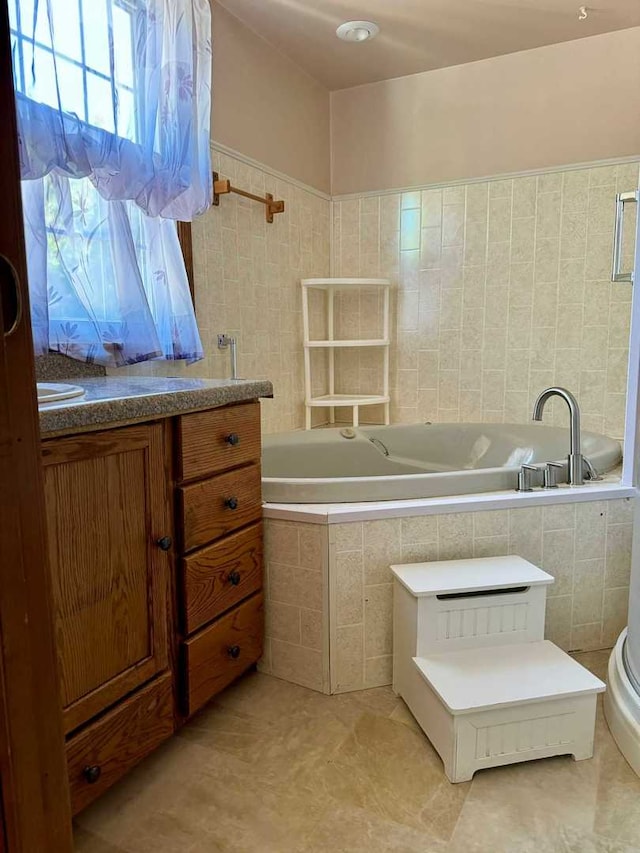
621	200
226	342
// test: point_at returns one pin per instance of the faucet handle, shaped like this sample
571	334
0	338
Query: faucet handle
551	474
525	475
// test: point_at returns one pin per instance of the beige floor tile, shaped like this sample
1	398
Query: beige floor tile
263	696
271	767
617	813
403	715
519	808
272	750
596	662
575	842
345	829
553	841
392	772
87	842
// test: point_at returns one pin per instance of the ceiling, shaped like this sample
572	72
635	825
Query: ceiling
420	35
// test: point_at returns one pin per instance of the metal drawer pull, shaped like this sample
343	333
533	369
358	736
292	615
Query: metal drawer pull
165	543
233	439
231	503
92	773
234	578
621	200
233	652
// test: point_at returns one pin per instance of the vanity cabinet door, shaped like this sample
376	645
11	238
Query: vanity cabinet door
107	516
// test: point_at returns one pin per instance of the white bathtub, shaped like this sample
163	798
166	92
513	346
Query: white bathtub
414	461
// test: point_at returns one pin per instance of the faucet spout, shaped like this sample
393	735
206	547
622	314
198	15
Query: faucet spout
225	341
575	459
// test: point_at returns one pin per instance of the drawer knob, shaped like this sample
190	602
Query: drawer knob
234	578
231	503
234	652
165	543
92	773
233	439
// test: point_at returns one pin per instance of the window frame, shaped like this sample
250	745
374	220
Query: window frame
185	236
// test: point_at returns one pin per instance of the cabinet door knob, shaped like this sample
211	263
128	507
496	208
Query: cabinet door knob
165	543
231	503
233	652
234	578
92	773
233	439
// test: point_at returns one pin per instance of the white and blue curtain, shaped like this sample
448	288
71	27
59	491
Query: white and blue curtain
113	100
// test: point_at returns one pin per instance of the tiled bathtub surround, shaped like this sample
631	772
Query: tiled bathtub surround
297	603
585	546
503	289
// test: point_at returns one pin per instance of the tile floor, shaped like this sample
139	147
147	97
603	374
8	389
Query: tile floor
271	767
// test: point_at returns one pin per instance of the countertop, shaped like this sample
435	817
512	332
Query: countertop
111	401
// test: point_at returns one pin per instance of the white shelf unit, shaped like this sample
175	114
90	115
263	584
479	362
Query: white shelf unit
333	400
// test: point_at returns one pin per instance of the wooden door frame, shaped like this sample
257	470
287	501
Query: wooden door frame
33	774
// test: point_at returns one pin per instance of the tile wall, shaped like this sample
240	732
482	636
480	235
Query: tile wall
247	284
297	603
585	546
502	289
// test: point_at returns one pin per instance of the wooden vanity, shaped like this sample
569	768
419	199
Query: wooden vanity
155	539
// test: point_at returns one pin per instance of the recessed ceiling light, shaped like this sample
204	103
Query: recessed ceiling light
356	31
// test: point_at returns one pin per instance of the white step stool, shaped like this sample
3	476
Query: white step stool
471	663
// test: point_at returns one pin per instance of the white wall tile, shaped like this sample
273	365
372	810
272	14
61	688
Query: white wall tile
513	259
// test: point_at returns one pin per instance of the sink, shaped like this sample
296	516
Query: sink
54	392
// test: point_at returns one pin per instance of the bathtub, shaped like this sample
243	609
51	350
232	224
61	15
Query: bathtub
414	461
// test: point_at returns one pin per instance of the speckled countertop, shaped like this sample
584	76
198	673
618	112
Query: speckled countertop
111	401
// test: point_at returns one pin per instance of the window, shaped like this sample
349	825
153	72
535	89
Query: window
113	103
88	80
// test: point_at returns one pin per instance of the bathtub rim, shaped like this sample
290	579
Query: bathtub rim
343	513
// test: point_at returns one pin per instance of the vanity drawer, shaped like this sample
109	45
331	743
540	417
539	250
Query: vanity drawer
218	577
220	653
105	750
217	440
212	508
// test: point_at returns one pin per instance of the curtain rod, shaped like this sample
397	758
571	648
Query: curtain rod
224	187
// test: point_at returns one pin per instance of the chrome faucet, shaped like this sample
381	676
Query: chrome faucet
224	342
575	460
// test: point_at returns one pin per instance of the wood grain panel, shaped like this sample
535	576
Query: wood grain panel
34	810
204	510
185	236
218	577
208	664
203	444
119	740
107	505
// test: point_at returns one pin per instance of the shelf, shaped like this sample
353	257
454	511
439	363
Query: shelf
338	400
327	288
337	344
327	283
